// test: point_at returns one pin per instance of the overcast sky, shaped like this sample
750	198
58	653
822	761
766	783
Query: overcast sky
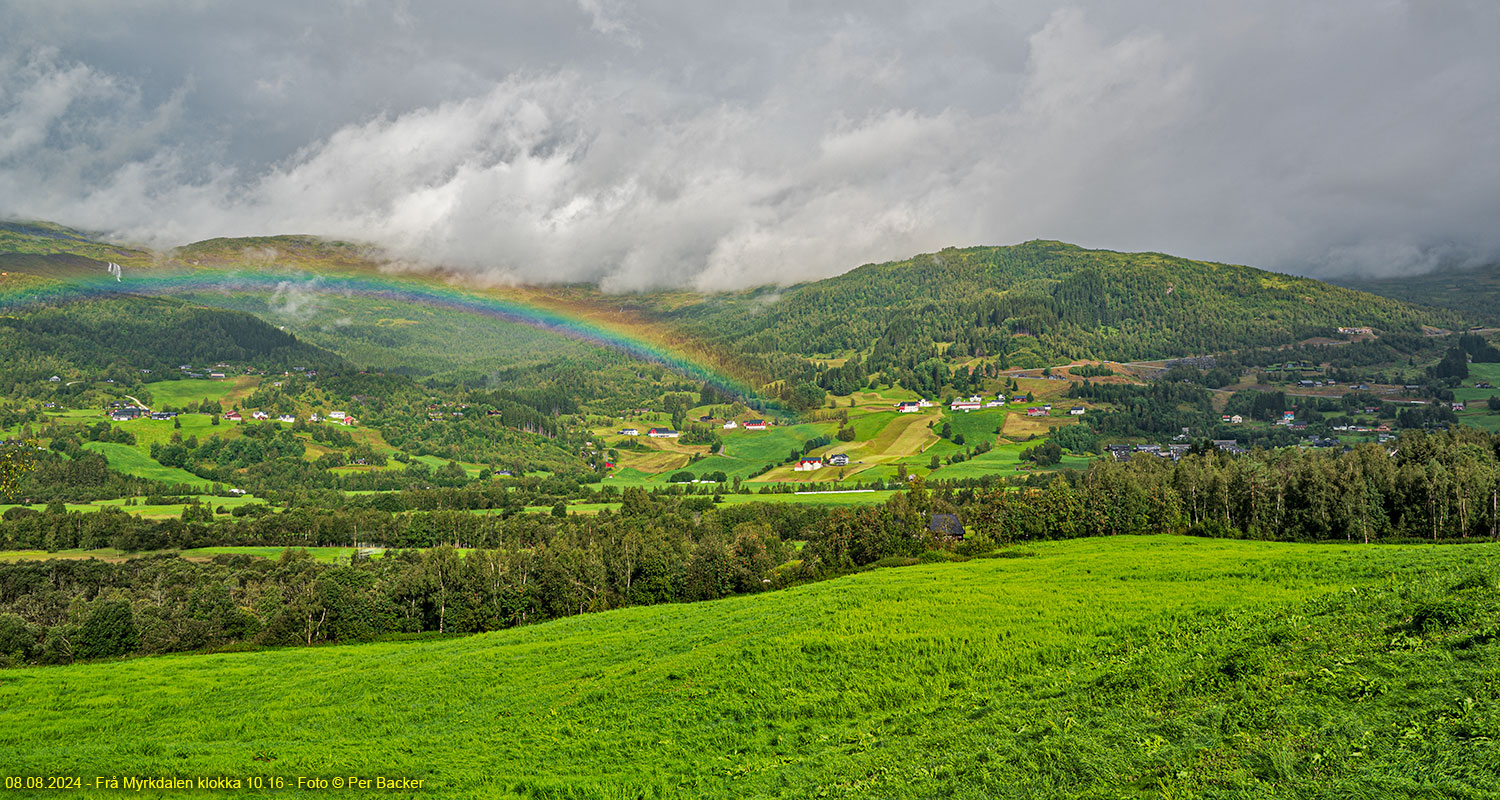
720	145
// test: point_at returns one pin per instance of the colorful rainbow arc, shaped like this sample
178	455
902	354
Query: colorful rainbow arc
430	292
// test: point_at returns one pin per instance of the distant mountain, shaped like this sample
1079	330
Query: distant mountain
1475	292
43	248
1024	305
145	333
1036	303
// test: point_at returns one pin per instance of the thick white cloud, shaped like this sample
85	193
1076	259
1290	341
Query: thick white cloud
720	147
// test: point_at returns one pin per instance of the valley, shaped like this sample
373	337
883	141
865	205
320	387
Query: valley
988	522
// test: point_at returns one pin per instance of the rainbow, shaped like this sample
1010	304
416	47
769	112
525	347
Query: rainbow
563	320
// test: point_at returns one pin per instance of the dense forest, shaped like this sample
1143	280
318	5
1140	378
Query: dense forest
1470	291
120	337
1033	304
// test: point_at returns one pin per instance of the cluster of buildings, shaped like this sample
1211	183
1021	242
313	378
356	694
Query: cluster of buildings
1175	452
668	433
811	464
977	402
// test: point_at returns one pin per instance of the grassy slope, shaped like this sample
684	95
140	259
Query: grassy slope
1098	668
131	461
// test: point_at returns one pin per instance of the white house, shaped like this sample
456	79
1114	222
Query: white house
286	418
924	403
907	407
630	432
808	464
336	415
261	415
1076	411
755	424
731	425
965	405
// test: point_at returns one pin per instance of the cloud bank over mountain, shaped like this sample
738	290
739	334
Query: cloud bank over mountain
644	145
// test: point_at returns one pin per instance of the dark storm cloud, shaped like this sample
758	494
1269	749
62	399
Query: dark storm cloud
721	145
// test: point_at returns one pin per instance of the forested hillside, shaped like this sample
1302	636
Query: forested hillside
1036	302
142	333
1472	292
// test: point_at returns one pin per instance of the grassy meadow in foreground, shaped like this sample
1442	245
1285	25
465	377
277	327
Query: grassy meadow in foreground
1151	666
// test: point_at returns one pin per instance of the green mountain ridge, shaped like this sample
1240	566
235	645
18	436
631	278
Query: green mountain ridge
1028	305
1472	292
1046	300
134	334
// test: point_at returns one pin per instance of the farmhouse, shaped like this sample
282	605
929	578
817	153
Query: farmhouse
924	403
731	425
335	415
232	415
945	525
662	433
287	418
808	464
261	415
996	403
1076	411
965	405
630	431
128	413
1036	411
755	424
905	407
839	460
163	414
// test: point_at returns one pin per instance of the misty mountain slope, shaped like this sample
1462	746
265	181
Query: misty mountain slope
1028	304
1473	292
382	334
1042	300
52	250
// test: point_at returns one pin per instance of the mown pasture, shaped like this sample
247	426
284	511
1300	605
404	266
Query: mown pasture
1129	666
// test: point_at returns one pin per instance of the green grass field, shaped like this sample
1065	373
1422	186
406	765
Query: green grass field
1101	668
192	391
131	461
144	510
